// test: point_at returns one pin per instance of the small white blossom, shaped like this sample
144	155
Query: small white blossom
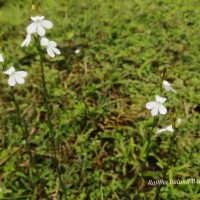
27	41
51	47
39	25
77	51
168	128
2	189
15	77
178	121
167	86
1	58
157	106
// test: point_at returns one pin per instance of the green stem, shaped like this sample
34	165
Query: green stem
49	113
149	136
148	148
24	130
46	101
19	122
165	169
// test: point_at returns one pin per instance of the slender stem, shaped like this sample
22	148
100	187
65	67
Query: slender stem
24	130
148	148
49	113
46	100
167	166
149	136
19	121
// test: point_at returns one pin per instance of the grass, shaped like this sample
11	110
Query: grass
98	99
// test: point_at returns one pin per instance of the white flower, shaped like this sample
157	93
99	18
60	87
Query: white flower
167	86
27	41
51	47
178	121
168	128
2	189
77	51
15	77
39	25
156	106
1	58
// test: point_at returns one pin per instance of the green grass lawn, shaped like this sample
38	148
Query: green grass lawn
97	99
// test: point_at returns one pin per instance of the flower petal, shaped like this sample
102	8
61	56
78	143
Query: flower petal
57	51
151	105
170	128
167	86
19	79
160	99
21	74
46	24
172	89
161	130
9	71
1	58
50	52
162	109
44	41
52	44
37	18
40	30
32	28
27	41
154	111
11	81
166	83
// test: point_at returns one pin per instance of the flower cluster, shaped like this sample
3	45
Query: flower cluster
157	106
39	26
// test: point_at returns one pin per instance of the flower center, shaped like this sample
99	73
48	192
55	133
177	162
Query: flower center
12	73
38	20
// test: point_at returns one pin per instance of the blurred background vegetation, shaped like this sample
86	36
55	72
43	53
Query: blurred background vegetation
98	98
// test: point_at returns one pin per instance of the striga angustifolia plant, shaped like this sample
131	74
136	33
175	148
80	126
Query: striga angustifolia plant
37	29
157	108
14	78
